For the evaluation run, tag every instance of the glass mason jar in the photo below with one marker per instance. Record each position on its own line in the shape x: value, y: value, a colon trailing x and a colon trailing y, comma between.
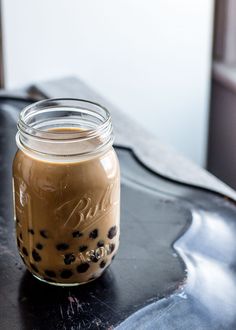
x: 66, y: 183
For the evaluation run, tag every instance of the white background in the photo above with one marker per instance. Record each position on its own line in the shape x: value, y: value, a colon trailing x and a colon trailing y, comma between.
x: 150, y: 58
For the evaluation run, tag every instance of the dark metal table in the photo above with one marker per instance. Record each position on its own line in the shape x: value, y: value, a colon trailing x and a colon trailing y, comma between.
x: 176, y: 267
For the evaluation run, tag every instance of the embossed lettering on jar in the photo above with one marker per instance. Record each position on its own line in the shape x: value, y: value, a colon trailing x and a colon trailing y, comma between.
x: 66, y: 186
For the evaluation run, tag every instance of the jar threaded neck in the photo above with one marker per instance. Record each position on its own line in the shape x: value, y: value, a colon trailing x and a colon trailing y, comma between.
x: 64, y: 127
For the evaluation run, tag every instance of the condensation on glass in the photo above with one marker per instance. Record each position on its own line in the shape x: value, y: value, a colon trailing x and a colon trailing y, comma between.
x: 66, y: 187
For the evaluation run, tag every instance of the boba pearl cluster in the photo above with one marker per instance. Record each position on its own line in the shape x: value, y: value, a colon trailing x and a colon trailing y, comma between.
x: 91, y: 248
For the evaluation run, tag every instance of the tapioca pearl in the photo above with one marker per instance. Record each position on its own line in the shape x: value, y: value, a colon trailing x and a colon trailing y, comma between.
x: 36, y: 256
x: 112, y: 232
x: 93, y: 234
x: 18, y: 242
x: 102, y: 264
x: 62, y: 246
x: 83, y: 248
x: 77, y: 234
x: 34, y: 267
x: 50, y: 273
x: 94, y: 257
x: 39, y: 246
x: 66, y: 273
x: 44, y: 233
x: 31, y: 231
x: 69, y: 258
x: 100, y: 243
x: 82, y: 268
x: 111, y: 248
x: 47, y: 279
x: 25, y: 252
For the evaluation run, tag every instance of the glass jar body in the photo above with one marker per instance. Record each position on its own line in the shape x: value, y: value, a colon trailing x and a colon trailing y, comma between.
x: 67, y: 214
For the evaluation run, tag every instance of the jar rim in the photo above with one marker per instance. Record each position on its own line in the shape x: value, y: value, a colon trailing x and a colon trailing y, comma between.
x: 56, y: 135
x: 45, y: 125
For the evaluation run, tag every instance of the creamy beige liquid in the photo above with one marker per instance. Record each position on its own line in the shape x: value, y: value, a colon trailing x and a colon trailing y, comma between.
x: 67, y: 215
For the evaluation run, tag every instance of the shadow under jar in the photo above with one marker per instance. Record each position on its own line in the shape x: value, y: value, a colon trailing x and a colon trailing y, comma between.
x: 66, y: 184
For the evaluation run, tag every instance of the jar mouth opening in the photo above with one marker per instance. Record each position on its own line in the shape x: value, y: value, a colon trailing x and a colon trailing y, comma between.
x: 75, y: 128
x: 65, y: 127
